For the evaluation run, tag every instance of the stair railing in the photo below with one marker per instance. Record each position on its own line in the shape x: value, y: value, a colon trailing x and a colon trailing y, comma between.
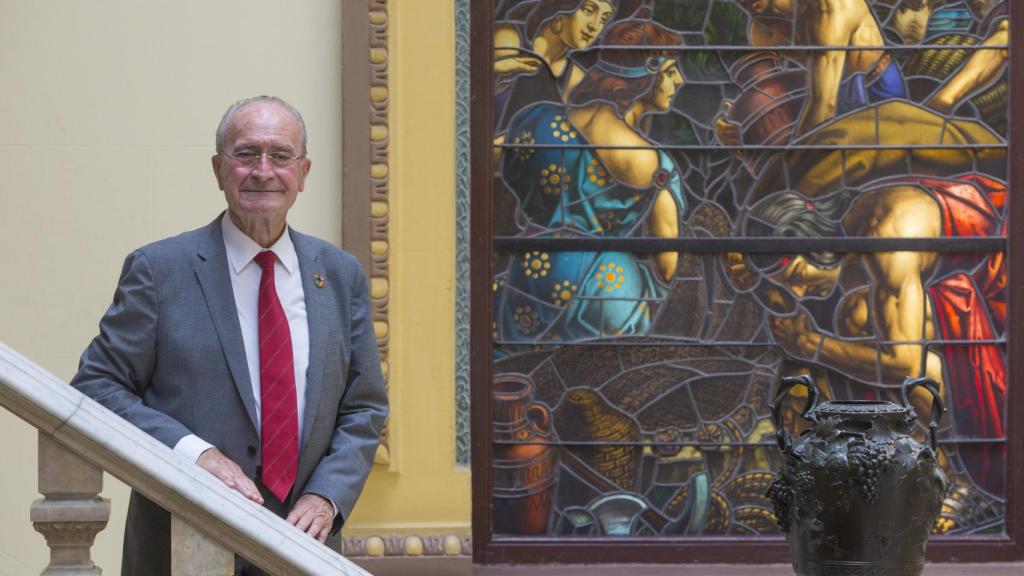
x: 211, y: 523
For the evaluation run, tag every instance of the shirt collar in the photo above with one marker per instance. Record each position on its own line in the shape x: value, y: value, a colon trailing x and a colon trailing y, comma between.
x: 241, y: 249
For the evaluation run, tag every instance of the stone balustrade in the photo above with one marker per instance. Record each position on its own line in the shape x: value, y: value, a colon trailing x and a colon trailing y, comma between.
x: 79, y: 439
x: 71, y: 512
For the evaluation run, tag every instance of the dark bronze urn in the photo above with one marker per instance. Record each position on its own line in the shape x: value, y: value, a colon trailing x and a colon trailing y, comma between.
x: 857, y: 494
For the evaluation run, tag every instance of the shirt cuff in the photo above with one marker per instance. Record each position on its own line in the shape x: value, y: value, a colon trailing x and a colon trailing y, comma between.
x: 329, y: 499
x: 191, y: 447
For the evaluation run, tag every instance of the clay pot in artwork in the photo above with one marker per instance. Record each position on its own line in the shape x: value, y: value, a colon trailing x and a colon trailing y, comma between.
x: 617, y: 514
x: 525, y: 462
x: 585, y: 416
x: 769, y: 104
x: 857, y: 494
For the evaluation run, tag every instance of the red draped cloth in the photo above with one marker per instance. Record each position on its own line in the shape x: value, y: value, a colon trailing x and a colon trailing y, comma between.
x: 969, y: 296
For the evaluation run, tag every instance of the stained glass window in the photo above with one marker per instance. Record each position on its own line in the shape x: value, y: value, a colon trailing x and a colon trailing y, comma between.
x: 693, y: 198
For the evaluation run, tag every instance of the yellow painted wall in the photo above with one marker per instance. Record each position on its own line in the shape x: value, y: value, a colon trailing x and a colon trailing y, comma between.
x: 423, y: 492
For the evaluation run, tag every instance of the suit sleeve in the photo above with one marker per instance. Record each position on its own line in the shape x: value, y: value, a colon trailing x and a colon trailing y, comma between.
x: 118, y: 364
x: 341, y: 473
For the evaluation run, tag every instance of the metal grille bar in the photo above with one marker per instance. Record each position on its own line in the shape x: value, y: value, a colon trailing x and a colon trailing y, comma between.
x: 765, y: 444
x: 756, y: 147
x: 751, y: 245
x: 669, y: 343
x: 791, y: 48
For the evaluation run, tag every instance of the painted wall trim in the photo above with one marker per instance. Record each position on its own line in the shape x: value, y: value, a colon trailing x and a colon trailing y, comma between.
x: 406, y: 545
x: 365, y: 137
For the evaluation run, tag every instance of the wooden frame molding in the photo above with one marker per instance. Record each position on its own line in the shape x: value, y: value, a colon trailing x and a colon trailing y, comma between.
x: 491, y: 549
x: 481, y: 367
x: 365, y: 139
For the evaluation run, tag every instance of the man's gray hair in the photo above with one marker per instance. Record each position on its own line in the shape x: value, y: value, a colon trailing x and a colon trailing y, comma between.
x: 222, y: 128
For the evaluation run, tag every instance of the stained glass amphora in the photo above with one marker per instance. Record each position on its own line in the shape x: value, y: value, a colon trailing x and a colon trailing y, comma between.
x: 525, y: 461
x: 857, y: 495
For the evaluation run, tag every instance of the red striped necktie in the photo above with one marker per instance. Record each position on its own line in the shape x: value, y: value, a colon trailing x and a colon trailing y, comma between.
x: 278, y: 408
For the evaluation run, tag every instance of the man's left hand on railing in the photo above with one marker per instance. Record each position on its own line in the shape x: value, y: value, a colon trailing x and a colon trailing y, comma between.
x: 314, y: 515
x: 224, y: 468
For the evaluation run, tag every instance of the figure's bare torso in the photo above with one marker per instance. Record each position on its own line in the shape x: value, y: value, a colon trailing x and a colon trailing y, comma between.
x: 852, y: 16
x: 865, y: 32
x: 883, y: 308
x: 854, y: 318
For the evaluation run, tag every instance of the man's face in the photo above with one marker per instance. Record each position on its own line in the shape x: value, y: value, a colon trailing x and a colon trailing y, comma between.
x: 910, y: 20
x: 981, y: 8
x: 262, y: 190
x: 804, y: 279
x: 668, y: 83
x: 585, y: 24
x: 768, y: 7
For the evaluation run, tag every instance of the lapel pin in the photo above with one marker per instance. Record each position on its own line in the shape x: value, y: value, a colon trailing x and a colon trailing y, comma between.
x: 318, y: 281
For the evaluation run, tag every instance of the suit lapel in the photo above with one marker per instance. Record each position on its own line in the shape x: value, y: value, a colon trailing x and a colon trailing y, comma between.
x: 317, y: 306
x: 212, y: 272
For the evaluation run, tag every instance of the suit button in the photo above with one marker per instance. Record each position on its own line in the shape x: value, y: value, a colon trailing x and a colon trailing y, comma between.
x: 251, y: 450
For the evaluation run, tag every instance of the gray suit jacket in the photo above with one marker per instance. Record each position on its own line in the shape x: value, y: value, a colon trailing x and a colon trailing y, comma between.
x: 169, y: 358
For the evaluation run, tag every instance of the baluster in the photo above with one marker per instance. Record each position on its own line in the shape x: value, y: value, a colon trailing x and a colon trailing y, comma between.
x: 193, y: 554
x: 71, y: 513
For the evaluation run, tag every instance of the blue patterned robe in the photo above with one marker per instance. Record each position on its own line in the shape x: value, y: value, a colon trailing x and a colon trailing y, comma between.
x: 567, y: 191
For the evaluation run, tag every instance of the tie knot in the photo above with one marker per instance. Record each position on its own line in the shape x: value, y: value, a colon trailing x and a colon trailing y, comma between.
x: 266, y: 259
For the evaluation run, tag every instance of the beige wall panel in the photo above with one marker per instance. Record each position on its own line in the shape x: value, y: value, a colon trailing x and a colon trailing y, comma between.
x: 106, y: 129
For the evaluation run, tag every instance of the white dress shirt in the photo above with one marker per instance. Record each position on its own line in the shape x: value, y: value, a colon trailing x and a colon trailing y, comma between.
x: 245, y: 283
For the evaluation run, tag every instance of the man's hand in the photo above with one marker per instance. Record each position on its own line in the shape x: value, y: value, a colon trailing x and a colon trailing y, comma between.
x: 739, y: 272
x: 216, y: 463
x: 314, y: 515
x: 729, y: 133
x: 527, y: 64
x: 797, y: 335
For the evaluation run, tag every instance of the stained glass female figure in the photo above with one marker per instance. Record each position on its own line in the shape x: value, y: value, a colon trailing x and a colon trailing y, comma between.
x: 596, y: 175
x: 534, y: 62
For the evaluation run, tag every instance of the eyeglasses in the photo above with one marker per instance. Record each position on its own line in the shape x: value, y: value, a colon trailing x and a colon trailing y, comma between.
x: 252, y: 158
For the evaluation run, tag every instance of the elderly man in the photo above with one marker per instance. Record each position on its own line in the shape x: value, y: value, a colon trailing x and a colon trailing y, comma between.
x: 246, y: 346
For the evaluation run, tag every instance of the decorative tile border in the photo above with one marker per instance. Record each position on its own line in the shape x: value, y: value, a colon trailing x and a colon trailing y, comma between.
x: 430, y: 545
x: 462, y: 287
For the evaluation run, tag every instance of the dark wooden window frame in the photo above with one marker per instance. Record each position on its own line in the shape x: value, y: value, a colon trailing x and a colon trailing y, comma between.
x: 491, y: 549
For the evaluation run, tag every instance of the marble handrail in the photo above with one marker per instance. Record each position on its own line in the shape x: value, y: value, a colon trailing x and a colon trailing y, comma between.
x: 190, y: 493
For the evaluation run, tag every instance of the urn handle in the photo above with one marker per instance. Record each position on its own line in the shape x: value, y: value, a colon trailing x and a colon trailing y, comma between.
x: 539, y: 418
x: 785, y: 385
x: 938, y: 409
